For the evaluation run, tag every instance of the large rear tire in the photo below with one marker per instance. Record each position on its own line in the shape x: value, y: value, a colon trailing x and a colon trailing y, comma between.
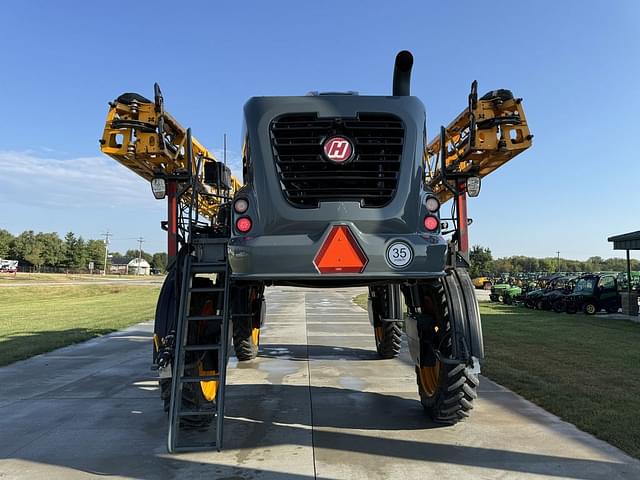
x: 247, y: 320
x: 246, y: 339
x: 388, y: 339
x: 198, y: 395
x: 193, y: 398
x: 446, y: 390
x: 388, y: 334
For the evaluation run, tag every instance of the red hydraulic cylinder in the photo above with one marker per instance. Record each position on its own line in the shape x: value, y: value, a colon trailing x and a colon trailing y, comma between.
x: 463, y: 227
x: 172, y: 219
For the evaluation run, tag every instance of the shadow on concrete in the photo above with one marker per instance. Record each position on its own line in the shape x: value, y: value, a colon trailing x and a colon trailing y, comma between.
x: 454, y: 455
x: 146, y: 458
x: 332, y: 408
x: 263, y: 416
x: 323, y: 352
x: 20, y: 346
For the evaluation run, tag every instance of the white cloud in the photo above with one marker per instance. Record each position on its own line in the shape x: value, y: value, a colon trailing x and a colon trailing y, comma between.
x: 234, y: 160
x: 27, y: 178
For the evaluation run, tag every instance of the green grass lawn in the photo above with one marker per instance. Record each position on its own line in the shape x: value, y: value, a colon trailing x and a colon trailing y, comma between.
x: 34, y: 320
x: 21, y: 277
x: 361, y: 300
x: 584, y: 369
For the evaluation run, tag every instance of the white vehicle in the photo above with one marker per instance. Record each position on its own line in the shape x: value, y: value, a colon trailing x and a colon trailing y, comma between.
x: 9, y: 266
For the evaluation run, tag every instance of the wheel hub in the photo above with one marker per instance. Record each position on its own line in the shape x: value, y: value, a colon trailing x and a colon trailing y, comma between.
x: 430, y: 378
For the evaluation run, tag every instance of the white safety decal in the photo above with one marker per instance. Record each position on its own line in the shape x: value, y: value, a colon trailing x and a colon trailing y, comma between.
x: 399, y: 254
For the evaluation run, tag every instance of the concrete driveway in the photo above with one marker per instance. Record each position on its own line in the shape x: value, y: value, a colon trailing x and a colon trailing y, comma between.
x: 316, y: 404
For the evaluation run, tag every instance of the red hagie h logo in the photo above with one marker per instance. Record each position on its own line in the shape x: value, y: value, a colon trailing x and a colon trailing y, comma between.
x: 338, y: 149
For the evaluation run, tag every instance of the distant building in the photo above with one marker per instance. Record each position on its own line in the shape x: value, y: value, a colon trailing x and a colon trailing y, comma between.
x: 138, y: 267
x: 119, y: 266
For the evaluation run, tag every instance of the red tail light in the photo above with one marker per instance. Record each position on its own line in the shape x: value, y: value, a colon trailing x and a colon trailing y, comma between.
x: 431, y: 223
x: 244, y: 224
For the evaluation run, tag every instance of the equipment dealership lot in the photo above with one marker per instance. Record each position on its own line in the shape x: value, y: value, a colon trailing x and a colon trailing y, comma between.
x: 317, y: 403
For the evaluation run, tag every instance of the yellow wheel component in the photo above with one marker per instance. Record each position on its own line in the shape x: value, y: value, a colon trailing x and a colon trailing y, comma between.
x: 430, y: 378
x: 255, y: 336
x: 209, y: 389
x: 379, y: 332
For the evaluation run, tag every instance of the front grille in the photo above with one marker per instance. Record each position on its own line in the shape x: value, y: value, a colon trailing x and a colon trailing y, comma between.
x: 307, y: 177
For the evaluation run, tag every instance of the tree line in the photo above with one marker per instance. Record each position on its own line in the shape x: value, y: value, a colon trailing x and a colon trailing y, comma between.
x: 483, y: 263
x: 47, y: 249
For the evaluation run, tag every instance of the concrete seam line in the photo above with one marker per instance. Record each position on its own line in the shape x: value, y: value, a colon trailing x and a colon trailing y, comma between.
x: 313, y: 446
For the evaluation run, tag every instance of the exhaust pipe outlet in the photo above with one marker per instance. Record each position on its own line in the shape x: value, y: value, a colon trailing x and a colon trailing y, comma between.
x: 402, y: 74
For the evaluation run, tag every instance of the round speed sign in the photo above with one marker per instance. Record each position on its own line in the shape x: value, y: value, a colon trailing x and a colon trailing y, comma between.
x: 399, y: 255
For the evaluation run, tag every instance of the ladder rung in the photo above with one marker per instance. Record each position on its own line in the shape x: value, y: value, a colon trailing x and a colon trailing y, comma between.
x: 195, y: 413
x: 202, y: 378
x: 234, y: 315
x: 205, y: 318
x: 196, y: 348
x: 206, y: 289
x: 197, y: 447
x: 214, y: 265
x: 208, y: 270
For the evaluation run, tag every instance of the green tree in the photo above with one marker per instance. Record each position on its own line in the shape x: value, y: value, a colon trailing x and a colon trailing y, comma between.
x: 35, y: 256
x: 159, y: 261
x: 503, y: 265
x: 547, y: 264
x: 69, y: 249
x: 82, y: 260
x: 75, y: 255
x: 22, y: 245
x: 52, y: 249
x: 481, y: 261
x: 94, y: 252
x: 5, y: 243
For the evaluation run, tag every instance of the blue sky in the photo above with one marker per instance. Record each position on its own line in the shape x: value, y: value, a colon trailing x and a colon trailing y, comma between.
x: 575, y: 63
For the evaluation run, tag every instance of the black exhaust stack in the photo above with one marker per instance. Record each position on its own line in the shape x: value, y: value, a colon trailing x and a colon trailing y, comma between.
x: 402, y: 74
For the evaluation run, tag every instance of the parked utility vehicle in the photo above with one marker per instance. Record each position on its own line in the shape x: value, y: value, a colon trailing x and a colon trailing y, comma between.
x: 594, y: 293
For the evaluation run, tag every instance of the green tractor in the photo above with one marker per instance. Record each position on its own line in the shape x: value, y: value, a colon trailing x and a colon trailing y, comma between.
x: 497, y: 292
x: 511, y: 294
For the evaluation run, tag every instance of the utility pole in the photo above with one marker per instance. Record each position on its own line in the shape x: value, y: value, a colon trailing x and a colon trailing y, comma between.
x: 224, y: 153
x: 106, y: 236
x: 140, y: 241
x: 558, y: 262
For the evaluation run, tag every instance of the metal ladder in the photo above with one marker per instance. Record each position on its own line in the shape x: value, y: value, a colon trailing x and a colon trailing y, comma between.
x: 176, y: 410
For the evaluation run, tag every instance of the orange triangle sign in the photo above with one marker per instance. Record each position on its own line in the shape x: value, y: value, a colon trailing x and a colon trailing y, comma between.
x: 340, y: 253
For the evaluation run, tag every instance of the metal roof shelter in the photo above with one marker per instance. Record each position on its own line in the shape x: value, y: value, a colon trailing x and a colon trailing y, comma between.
x: 627, y: 241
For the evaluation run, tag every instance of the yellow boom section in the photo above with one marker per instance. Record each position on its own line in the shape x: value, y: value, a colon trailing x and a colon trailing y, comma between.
x: 486, y: 135
x: 144, y: 138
